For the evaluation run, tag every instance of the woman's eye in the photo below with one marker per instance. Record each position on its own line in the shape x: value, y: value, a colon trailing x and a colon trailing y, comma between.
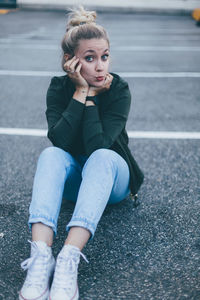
x: 105, y: 56
x: 89, y: 58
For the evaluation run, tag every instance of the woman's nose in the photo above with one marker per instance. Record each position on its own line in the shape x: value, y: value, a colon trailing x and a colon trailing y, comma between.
x: 99, y: 65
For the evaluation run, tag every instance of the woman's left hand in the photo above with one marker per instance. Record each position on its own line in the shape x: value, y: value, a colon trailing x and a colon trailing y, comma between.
x: 93, y: 91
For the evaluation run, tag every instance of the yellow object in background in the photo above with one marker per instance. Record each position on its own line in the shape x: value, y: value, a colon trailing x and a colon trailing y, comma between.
x: 196, y: 14
x: 4, y: 11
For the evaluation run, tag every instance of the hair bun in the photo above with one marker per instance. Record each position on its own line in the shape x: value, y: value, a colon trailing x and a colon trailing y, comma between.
x: 80, y: 16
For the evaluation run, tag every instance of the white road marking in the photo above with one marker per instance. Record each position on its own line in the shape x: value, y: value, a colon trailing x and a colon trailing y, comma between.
x: 159, y: 74
x: 23, y: 131
x: 113, y: 47
x: 164, y: 135
x: 122, y: 74
x: 156, y: 48
x: 132, y: 134
x: 30, y: 73
x: 31, y: 46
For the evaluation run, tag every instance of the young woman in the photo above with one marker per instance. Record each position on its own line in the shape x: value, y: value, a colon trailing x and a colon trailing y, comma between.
x: 89, y: 164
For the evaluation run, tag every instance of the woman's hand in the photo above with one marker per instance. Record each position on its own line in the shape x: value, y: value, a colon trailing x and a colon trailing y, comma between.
x: 73, y: 67
x: 93, y: 91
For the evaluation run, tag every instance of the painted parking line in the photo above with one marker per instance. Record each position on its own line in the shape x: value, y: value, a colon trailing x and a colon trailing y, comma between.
x: 6, y: 44
x: 132, y: 134
x: 30, y: 46
x: 122, y: 74
x: 23, y: 131
x: 164, y: 135
x: 157, y: 48
x: 159, y: 74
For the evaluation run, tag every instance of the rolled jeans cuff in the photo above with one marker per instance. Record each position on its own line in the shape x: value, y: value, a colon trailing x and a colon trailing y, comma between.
x: 44, y: 220
x: 82, y: 222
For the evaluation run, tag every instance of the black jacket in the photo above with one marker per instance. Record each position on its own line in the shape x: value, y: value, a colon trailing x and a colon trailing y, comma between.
x: 78, y: 129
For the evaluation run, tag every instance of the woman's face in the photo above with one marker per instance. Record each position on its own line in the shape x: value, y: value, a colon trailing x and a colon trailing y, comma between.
x: 94, y: 57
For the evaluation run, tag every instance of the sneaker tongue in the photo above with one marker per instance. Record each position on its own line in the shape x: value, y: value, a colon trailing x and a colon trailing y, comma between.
x: 70, y: 250
x: 70, y: 254
x: 71, y: 247
x: 73, y: 251
x: 42, y: 246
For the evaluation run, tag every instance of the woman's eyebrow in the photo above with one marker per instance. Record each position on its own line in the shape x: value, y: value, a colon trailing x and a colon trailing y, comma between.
x: 92, y: 51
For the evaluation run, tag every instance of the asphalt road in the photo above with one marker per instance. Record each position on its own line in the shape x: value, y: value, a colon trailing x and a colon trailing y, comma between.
x: 150, y: 252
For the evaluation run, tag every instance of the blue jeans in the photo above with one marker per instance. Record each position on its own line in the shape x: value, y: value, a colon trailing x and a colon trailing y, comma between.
x: 90, y: 182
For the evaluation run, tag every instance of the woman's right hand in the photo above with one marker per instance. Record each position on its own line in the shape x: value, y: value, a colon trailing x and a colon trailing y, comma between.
x: 73, y: 68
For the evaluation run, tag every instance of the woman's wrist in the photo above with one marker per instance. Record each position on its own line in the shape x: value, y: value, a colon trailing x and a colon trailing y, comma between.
x: 80, y: 94
x: 89, y: 103
x: 91, y: 93
x: 82, y: 89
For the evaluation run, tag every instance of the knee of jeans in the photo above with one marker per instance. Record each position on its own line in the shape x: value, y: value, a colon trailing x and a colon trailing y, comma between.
x: 54, y: 154
x: 50, y: 152
x: 104, y: 154
x: 101, y: 157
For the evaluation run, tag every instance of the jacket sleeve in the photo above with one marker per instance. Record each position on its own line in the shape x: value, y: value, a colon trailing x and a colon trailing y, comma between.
x: 63, y: 116
x: 101, y: 132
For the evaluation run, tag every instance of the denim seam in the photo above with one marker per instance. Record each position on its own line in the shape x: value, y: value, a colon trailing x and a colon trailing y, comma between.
x: 88, y: 224
x: 44, y: 219
x: 83, y: 219
x: 42, y: 216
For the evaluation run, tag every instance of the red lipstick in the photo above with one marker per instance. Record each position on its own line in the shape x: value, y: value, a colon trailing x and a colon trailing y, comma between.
x: 100, y: 78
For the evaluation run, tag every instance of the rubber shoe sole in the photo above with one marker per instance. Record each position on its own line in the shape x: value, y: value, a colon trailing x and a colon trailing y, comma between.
x: 43, y: 296
x: 75, y: 297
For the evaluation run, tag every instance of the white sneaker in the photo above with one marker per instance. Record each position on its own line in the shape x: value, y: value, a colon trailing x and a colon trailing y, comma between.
x: 65, y: 286
x: 40, y: 268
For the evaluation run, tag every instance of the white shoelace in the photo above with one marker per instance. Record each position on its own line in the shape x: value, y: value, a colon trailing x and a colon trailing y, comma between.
x: 67, y: 272
x: 36, y: 265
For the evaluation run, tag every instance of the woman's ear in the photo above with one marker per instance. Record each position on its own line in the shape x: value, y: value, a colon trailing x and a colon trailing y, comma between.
x: 67, y: 56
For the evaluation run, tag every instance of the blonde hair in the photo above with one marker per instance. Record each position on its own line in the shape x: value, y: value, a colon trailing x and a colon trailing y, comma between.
x: 81, y: 25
